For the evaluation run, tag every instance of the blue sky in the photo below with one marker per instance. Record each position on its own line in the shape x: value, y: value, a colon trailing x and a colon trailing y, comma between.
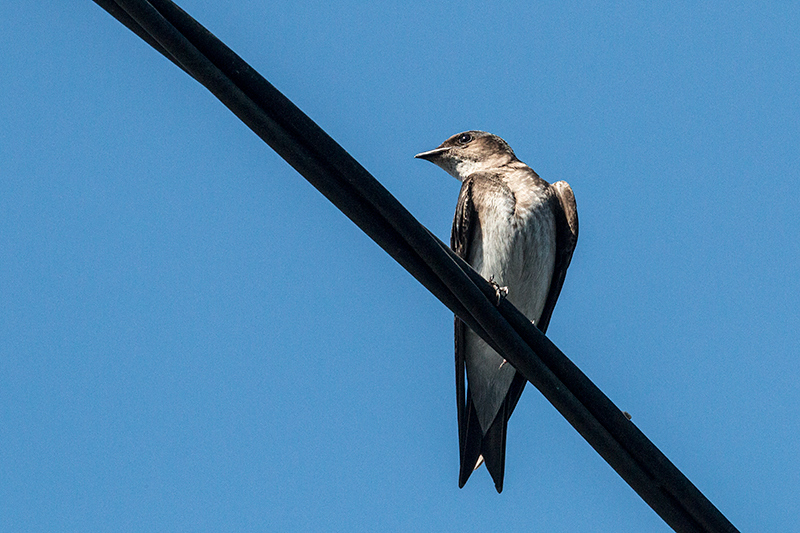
x: 194, y: 339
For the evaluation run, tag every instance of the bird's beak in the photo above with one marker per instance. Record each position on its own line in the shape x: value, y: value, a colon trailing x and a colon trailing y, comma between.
x: 431, y: 155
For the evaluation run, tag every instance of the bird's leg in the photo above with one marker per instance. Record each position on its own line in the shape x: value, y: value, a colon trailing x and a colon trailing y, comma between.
x: 500, y: 292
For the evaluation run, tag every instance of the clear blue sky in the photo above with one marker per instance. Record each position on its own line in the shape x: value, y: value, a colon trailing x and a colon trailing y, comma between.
x: 192, y: 338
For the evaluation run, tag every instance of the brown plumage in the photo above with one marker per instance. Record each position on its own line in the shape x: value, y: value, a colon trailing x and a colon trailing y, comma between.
x: 517, y: 229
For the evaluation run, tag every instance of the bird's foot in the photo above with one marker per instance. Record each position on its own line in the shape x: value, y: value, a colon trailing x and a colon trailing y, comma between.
x: 501, y: 364
x: 500, y: 292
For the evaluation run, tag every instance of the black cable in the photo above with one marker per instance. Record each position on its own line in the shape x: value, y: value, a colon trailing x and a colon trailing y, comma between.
x: 351, y: 188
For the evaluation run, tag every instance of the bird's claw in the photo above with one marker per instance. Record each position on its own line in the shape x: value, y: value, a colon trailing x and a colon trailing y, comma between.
x: 500, y: 292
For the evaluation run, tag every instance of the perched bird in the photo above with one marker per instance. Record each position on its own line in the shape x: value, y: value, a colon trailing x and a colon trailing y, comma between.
x: 518, y: 231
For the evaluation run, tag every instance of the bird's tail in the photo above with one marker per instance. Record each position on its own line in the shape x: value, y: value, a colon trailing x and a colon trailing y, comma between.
x: 491, y: 446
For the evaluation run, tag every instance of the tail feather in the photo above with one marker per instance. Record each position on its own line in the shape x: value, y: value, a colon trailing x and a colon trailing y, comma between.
x: 492, y: 445
x: 470, y: 443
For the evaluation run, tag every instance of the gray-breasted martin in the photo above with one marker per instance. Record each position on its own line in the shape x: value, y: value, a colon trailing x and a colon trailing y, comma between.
x: 519, y: 231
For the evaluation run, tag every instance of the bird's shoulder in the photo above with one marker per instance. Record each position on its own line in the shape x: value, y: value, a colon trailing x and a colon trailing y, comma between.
x: 516, y: 186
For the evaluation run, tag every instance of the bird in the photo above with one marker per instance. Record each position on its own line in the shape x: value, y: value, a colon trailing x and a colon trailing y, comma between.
x: 519, y: 232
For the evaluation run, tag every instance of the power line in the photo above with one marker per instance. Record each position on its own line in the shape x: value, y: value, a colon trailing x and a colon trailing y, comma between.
x: 329, y: 168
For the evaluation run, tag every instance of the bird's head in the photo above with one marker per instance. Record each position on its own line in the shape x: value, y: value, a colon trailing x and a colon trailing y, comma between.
x: 468, y: 152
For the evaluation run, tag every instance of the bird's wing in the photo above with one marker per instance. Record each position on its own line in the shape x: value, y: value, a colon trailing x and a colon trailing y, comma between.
x: 566, y: 213
x: 473, y: 442
x: 469, y: 431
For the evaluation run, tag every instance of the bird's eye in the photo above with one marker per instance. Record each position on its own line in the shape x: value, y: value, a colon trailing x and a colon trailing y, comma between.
x: 464, y: 138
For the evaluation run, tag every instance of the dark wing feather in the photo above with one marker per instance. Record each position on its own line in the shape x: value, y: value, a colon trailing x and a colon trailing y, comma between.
x: 566, y: 213
x: 469, y: 431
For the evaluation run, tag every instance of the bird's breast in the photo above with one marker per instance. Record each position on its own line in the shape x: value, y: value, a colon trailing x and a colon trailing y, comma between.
x: 517, y: 245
